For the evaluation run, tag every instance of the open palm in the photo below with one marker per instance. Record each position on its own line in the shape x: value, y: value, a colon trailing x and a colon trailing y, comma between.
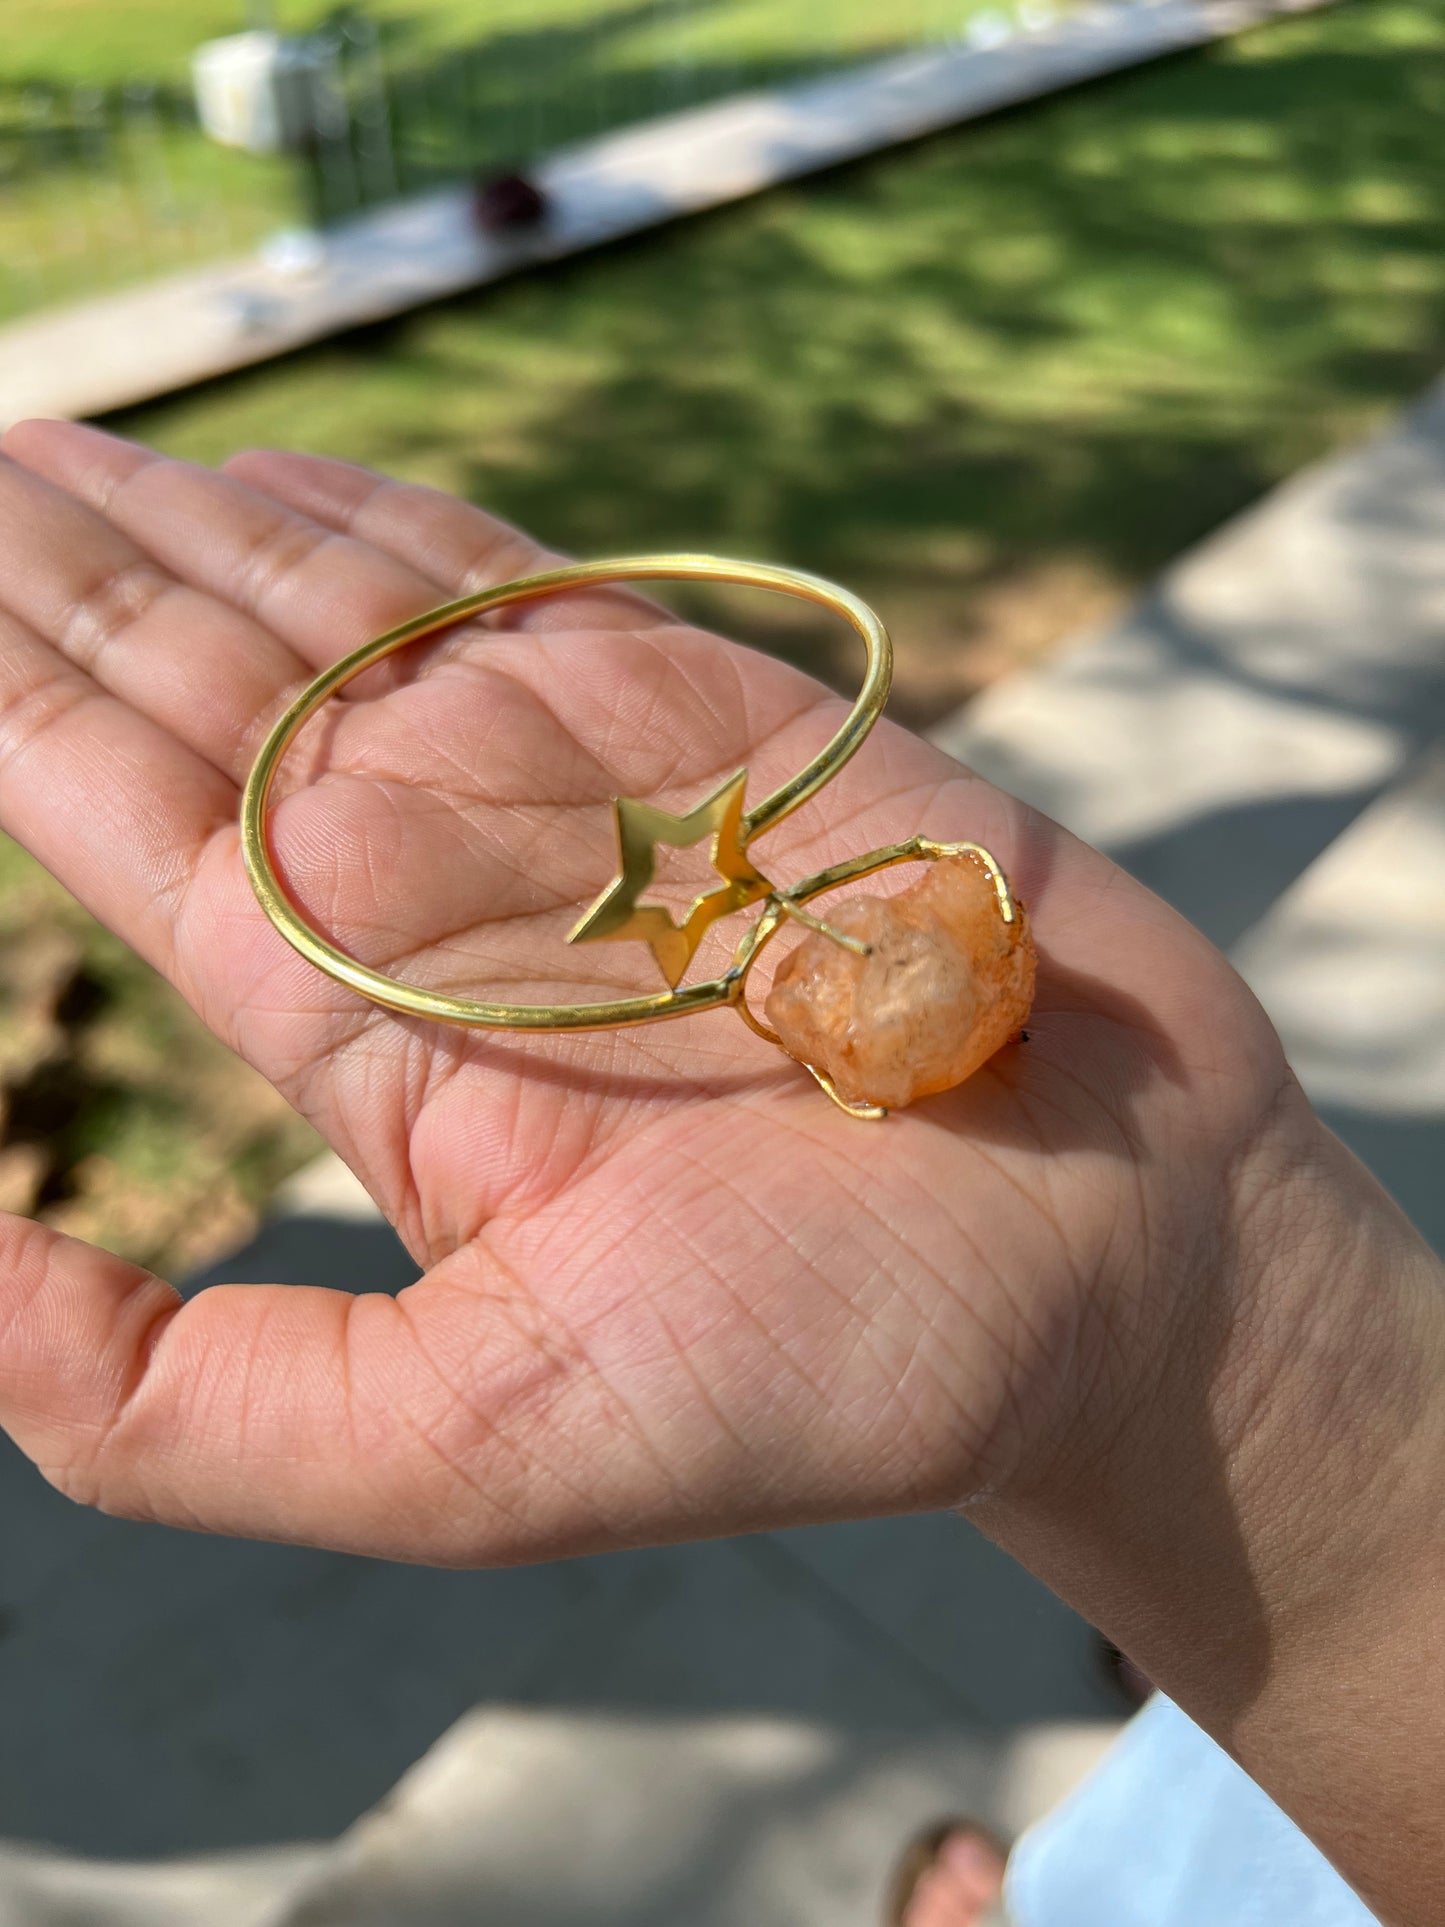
x: 670, y: 1289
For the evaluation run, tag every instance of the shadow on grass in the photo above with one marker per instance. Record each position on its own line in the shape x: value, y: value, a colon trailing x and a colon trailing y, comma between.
x: 1043, y: 354
x: 515, y: 93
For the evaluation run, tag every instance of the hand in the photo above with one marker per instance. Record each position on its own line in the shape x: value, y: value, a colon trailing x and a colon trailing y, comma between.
x: 670, y: 1290
x: 1120, y: 1292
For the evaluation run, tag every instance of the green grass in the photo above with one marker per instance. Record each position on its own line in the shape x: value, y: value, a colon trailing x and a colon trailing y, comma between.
x: 121, y: 197
x: 994, y: 383
x: 98, y: 41
x: 1070, y: 339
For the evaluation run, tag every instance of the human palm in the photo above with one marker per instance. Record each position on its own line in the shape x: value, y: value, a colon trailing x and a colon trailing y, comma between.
x: 670, y: 1289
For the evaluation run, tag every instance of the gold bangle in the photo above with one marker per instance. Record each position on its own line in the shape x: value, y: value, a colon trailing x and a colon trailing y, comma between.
x: 618, y: 915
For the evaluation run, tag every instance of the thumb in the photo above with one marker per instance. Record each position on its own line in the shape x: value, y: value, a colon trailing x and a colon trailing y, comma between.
x: 78, y: 1329
x: 402, y: 1427
x: 127, y: 1398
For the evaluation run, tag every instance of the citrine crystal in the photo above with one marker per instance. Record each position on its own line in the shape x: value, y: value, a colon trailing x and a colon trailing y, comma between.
x: 946, y: 983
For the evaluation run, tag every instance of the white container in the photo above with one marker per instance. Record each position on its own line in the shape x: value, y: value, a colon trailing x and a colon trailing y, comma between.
x: 260, y: 91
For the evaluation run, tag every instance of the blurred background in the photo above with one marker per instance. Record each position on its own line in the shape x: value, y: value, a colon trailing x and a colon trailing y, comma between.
x: 1000, y: 380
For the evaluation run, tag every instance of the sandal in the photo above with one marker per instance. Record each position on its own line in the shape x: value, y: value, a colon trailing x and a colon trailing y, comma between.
x: 921, y: 1856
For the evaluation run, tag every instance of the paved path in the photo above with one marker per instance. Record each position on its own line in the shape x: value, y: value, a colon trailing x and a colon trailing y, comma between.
x: 1278, y: 679
x: 580, y: 1820
x: 729, y: 1735
x: 737, y: 1735
x: 1259, y: 740
x: 1351, y: 966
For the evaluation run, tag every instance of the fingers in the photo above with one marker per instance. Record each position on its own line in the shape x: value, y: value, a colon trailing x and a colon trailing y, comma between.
x: 157, y: 554
x: 275, y: 1412
x: 655, y: 702
x: 199, y: 669
x: 108, y: 800
x: 319, y: 592
x: 458, y: 547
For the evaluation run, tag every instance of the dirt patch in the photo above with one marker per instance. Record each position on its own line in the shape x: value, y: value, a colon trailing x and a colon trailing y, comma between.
x: 124, y: 1121
x: 950, y: 639
x: 947, y: 653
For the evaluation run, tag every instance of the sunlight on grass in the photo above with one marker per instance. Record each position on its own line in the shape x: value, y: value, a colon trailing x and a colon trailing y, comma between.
x: 1092, y: 327
x: 119, y: 40
x: 97, y: 193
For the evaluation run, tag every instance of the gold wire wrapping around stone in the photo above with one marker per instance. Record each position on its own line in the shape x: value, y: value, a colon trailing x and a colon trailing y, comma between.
x: 852, y: 870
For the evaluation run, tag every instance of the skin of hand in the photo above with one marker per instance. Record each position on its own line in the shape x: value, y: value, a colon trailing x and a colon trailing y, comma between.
x: 1120, y: 1295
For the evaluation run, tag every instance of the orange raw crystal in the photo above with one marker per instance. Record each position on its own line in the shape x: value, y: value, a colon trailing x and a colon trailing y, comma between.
x: 946, y: 984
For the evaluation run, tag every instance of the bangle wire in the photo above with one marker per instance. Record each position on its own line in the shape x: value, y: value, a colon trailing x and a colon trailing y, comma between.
x: 779, y: 904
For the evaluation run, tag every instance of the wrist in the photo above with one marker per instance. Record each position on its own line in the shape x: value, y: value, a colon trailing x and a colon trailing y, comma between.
x: 1265, y: 1532
x: 1337, y: 1419
x: 1331, y: 1406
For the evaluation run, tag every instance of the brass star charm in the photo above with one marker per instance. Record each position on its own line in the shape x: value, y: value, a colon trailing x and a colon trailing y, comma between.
x: 618, y: 917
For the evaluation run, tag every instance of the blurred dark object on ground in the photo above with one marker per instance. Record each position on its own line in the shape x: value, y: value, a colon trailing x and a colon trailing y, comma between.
x: 502, y: 203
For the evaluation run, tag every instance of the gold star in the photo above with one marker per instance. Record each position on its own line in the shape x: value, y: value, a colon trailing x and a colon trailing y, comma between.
x: 618, y: 917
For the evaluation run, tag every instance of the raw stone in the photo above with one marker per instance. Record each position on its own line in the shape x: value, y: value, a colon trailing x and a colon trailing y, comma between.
x: 946, y: 984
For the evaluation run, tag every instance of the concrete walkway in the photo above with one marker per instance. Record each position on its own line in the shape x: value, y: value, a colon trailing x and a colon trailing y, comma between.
x: 1351, y: 965
x: 1259, y: 740
x: 740, y: 1734
x: 1278, y: 679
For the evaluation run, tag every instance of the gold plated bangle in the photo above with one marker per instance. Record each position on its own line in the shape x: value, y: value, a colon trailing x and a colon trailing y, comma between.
x: 620, y: 914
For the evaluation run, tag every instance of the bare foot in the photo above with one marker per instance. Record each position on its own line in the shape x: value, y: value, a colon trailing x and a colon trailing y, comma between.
x: 961, y: 1884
